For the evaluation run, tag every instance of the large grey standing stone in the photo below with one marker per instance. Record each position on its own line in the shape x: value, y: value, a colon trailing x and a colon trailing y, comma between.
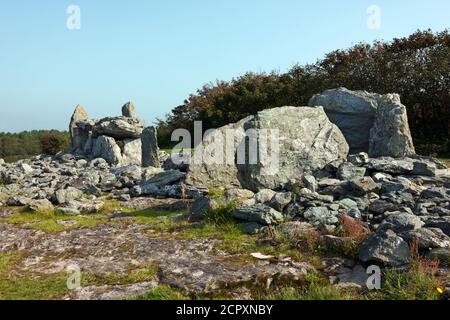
x: 352, y: 111
x: 119, y: 128
x: 390, y: 135
x: 107, y: 148
x: 211, y: 175
x: 129, y: 110
x: 307, y: 141
x: 150, y: 150
x: 385, y: 247
x: 78, y: 136
x: 132, y: 152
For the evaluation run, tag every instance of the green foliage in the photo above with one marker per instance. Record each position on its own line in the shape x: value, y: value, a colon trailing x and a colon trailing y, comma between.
x: 413, y: 285
x: 221, y: 215
x: 16, y: 146
x: 417, y: 67
x: 19, y: 287
x: 164, y: 293
x: 54, y: 142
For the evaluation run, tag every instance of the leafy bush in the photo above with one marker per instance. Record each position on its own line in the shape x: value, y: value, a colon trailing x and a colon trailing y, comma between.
x: 54, y: 142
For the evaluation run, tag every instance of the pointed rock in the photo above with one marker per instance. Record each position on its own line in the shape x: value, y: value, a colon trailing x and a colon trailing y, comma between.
x: 77, y: 136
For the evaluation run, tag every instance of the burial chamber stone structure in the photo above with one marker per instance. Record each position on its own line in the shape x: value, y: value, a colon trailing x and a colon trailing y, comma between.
x: 121, y: 141
x: 372, y: 123
x: 337, y: 123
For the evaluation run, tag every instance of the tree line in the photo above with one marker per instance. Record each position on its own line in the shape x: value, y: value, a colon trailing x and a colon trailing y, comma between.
x: 16, y: 146
x: 416, y: 67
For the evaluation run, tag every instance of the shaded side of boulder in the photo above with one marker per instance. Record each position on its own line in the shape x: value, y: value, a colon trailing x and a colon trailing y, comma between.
x: 352, y: 111
x: 208, y: 174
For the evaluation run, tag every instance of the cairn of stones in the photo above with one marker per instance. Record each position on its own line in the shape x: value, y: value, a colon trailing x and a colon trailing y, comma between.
x: 121, y: 141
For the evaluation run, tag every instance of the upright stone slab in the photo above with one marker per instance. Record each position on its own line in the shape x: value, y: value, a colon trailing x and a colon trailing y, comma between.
x: 78, y: 136
x: 149, y: 140
x: 132, y: 152
x: 107, y: 148
x: 390, y: 135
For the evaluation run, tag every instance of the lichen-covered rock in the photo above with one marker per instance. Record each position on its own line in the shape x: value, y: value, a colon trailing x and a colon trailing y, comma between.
x: 207, y: 174
x: 132, y: 152
x: 107, y: 148
x: 390, y: 135
x: 307, y: 141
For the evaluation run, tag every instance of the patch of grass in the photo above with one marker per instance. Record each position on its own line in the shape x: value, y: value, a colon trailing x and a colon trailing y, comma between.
x: 222, y: 214
x: 130, y: 276
x: 48, y: 221
x: 216, y: 192
x: 315, y: 288
x: 163, y: 293
x: 17, y: 287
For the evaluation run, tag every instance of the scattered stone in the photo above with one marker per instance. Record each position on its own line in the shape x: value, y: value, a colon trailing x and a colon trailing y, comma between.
x: 401, y: 222
x: 264, y: 196
x: 321, y: 216
x: 280, y: 200
x: 427, y: 238
x: 348, y: 171
x: 359, y: 159
x: 259, y: 213
x: 201, y: 206
x: 385, y: 247
x: 41, y: 206
x: 18, y: 201
x: 64, y: 195
x: 363, y: 186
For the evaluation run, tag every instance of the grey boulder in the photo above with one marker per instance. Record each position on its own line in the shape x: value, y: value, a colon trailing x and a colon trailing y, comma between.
x: 385, y: 247
x: 258, y: 213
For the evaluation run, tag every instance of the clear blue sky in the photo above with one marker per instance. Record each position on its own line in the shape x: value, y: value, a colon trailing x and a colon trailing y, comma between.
x: 156, y: 53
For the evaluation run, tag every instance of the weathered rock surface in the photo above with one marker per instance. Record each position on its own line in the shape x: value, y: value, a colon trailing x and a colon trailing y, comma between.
x: 308, y: 141
x: 107, y: 148
x: 192, y: 265
x: 385, y: 247
x: 210, y: 174
x: 390, y: 135
x: 120, y: 128
x: 259, y: 213
x: 150, y: 155
x: 78, y: 136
